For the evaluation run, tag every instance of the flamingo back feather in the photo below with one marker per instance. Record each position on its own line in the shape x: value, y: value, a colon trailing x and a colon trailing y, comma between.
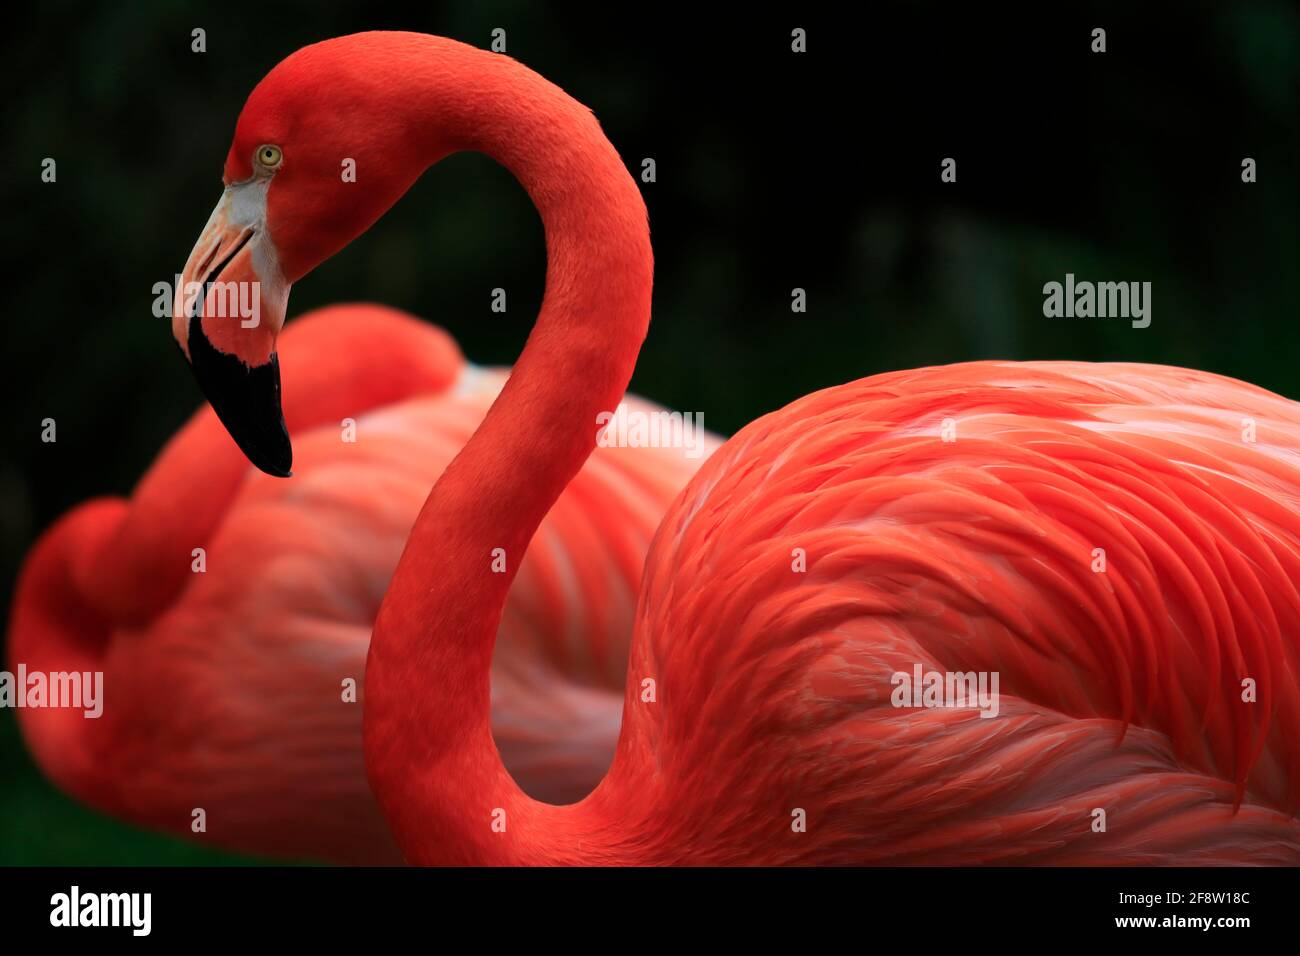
x: 1121, y: 689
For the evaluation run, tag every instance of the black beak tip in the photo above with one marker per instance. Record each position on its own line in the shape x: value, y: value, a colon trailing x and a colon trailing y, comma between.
x: 246, y: 400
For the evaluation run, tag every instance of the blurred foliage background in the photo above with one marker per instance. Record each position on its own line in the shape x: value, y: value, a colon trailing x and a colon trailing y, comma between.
x: 773, y: 171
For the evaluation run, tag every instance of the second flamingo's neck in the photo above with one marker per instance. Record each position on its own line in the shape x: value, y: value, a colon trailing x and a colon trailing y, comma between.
x: 429, y: 749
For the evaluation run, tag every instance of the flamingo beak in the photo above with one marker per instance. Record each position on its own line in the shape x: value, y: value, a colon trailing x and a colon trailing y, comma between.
x: 228, y: 311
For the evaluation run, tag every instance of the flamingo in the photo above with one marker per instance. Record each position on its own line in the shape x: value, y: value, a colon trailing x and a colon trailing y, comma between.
x: 1118, y: 543
x: 226, y: 690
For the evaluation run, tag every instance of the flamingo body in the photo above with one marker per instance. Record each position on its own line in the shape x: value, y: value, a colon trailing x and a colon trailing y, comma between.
x: 1121, y: 689
x: 224, y: 689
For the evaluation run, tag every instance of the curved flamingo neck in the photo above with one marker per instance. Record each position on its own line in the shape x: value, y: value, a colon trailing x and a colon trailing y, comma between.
x: 432, y: 762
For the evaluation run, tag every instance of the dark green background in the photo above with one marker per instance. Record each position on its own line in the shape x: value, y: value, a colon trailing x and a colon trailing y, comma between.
x: 774, y: 171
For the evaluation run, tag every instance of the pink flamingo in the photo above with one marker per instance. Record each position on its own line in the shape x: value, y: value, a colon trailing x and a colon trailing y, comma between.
x: 225, y: 690
x: 1119, y: 543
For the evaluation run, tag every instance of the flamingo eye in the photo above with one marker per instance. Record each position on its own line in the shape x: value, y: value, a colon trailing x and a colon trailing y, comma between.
x: 268, y: 156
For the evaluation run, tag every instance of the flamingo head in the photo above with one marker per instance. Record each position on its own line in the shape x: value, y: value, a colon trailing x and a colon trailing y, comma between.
x: 319, y: 154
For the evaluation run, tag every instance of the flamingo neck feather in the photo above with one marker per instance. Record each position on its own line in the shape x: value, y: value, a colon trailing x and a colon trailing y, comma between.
x: 430, y: 755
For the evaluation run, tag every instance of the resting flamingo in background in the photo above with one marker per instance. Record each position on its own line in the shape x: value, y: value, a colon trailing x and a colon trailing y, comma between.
x: 224, y: 690
x: 824, y: 549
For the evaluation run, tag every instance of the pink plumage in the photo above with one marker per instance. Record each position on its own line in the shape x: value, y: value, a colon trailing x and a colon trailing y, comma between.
x: 1121, y: 689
